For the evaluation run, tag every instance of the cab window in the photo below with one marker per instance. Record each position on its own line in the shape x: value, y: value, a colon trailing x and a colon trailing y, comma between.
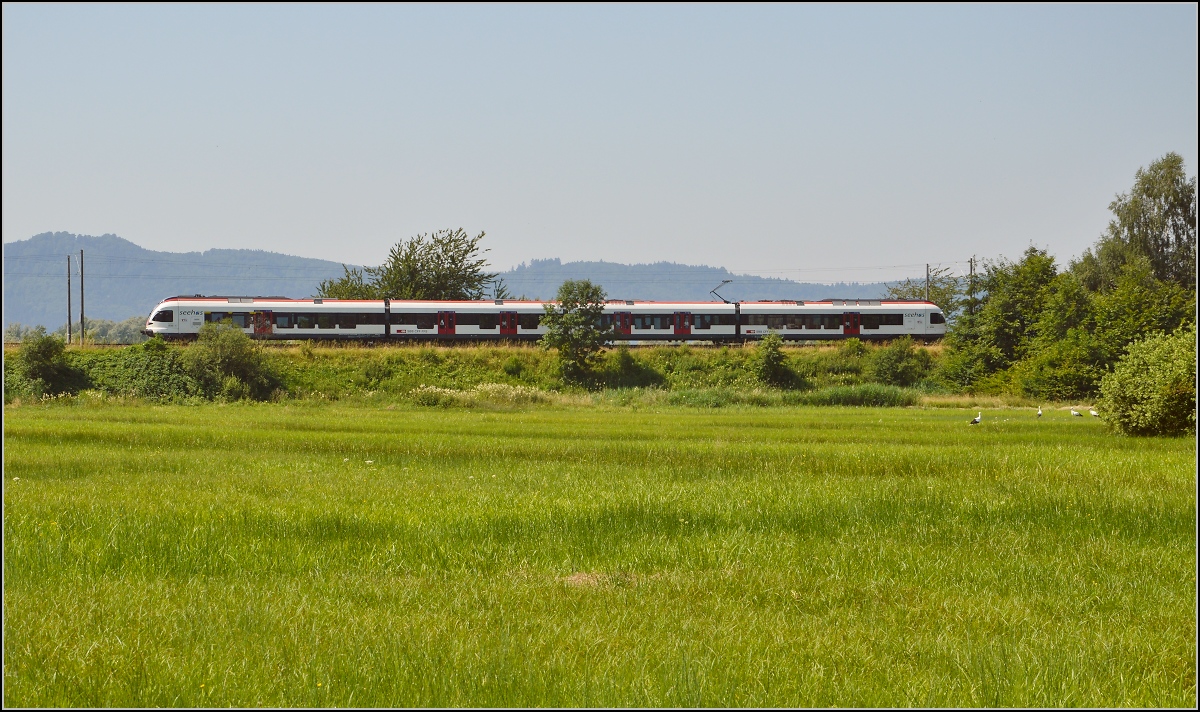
x: 167, y: 315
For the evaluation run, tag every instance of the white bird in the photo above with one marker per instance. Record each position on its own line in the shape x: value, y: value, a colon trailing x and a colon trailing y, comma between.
x: 976, y: 419
x: 1075, y: 412
x: 1039, y: 411
x: 1094, y: 413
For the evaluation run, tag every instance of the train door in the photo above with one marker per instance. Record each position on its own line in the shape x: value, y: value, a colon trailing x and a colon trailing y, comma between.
x: 851, y: 322
x: 683, y: 323
x: 623, y: 323
x: 446, y: 322
x: 508, y: 323
x: 261, y: 322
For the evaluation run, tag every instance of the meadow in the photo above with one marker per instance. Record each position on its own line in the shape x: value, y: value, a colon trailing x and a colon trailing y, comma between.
x: 363, y: 553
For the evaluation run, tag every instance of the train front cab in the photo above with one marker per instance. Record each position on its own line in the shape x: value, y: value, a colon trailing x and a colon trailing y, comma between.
x: 161, y: 322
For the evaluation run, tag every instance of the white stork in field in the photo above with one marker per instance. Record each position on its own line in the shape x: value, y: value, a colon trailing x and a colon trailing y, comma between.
x: 976, y: 419
x: 1076, y: 413
x: 1039, y: 411
x: 1094, y: 413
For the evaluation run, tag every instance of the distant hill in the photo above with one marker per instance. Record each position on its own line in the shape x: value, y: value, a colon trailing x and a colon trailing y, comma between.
x: 669, y: 281
x: 125, y: 280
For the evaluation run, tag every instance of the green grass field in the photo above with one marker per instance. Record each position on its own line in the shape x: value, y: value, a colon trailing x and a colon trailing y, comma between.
x: 350, y: 554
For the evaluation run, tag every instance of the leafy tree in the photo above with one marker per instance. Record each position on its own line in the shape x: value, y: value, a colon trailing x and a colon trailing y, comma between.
x: 769, y: 362
x: 1067, y: 305
x: 352, y: 285
x: 1069, y: 368
x: 1138, y: 304
x: 16, y: 332
x: 1063, y: 359
x: 1155, y: 220
x: 1152, y: 389
x: 1015, y: 293
x: 574, y: 327
x: 446, y: 264
x: 945, y: 290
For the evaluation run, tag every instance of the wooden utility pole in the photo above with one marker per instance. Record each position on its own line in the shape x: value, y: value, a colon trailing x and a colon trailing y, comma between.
x: 82, y: 323
x: 926, y: 281
x: 69, y: 335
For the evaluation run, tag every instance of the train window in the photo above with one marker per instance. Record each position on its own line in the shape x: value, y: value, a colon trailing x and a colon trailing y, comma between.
x: 351, y: 321
x: 725, y: 320
x: 240, y: 319
x: 215, y: 317
x: 754, y: 319
x: 831, y: 321
x: 284, y: 321
x: 702, y: 321
x: 529, y: 321
x: 487, y: 321
x: 936, y: 318
x: 167, y: 315
x: 326, y: 321
x: 417, y: 321
x: 654, y: 321
x: 306, y: 321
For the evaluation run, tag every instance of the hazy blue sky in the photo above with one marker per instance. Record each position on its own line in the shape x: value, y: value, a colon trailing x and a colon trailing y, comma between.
x: 815, y: 143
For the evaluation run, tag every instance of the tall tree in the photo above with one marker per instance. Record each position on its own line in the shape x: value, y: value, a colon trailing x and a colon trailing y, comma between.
x: 447, y: 264
x: 944, y: 288
x: 574, y: 327
x: 1156, y: 220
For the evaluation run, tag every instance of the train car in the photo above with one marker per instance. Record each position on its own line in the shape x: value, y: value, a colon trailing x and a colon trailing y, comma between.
x: 508, y: 319
x: 843, y: 318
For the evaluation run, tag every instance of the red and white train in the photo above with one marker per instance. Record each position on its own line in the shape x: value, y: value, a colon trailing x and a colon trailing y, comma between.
x: 509, y: 319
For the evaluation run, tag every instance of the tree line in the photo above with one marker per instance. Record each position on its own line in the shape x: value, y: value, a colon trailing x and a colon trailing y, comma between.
x: 1034, y: 328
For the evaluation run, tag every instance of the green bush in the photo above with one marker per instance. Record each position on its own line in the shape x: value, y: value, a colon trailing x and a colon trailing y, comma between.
x: 1068, y: 369
x: 1152, y: 389
x: 900, y: 363
x: 227, y: 363
x: 513, y: 366
x: 151, y: 370
x: 41, y: 367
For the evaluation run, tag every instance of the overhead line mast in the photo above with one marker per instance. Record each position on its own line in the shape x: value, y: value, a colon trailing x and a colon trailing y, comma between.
x: 69, y: 315
x: 82, y: 325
